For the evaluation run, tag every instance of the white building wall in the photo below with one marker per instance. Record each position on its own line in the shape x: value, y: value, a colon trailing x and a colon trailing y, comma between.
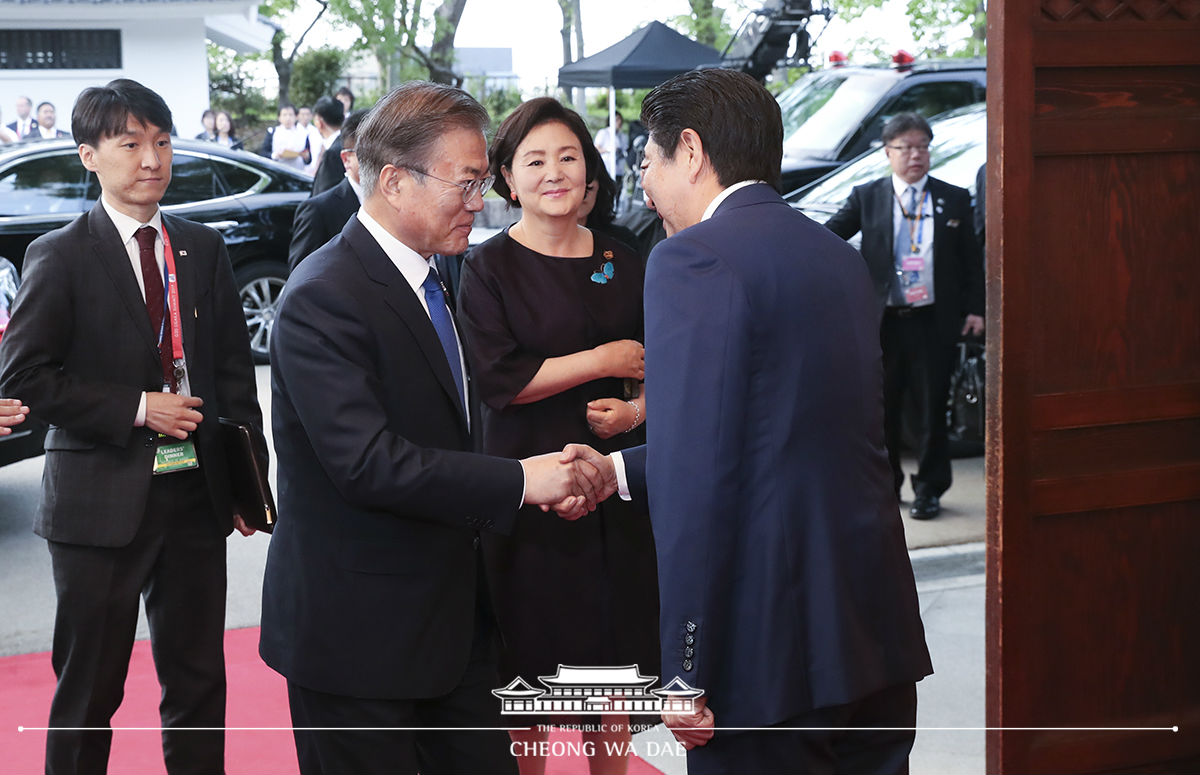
x: 167, y: 55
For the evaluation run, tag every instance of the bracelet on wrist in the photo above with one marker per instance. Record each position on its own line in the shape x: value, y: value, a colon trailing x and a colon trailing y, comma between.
x: 637, y: 415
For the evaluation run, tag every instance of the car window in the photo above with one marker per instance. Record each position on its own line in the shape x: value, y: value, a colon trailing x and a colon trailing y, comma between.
x: 819, y: 112
x: 192, y: 180
x: 238, y: 179
x: 934, y: 97
x: 47, y: 184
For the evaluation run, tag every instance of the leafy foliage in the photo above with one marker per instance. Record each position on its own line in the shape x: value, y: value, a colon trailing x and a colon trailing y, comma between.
x: 936, y: 25
x: 231, y: 90
x: 315, y: 74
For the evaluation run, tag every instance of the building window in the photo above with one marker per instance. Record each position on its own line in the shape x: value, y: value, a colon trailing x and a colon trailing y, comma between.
x: 60, y: 49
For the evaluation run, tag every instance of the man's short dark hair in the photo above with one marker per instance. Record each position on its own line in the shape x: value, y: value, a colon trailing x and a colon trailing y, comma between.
x: 528, y: 116
x: 346, y: 90
x: 104, y: 111
x: 737, y: 119
x: 44, y: 102
x: 403, y: 128
x: 905, y: 122
x: 331, y: 111
x: 350, y: 128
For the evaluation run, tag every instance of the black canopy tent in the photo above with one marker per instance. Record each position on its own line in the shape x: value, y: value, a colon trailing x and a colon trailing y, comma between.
x: 647, y: 57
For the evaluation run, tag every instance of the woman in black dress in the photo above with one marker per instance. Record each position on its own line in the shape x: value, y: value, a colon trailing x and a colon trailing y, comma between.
x: 552, y: 314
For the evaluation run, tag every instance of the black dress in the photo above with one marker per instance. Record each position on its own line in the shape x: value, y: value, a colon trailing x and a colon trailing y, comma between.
x: 580, y: 593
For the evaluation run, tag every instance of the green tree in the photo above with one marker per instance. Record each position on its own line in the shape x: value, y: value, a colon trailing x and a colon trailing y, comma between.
x: 230, y: 89
x: 936, y: 25
x: 711, y: 24
x: 388, y: 29
x: 315, y: 73
x: 284, y: 62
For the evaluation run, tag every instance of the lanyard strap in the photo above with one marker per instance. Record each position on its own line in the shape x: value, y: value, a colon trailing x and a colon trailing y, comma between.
x: 917, y: 229
x: 172, y: 286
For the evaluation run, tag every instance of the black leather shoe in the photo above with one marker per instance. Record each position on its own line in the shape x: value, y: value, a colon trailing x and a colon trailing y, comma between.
x: 925, y: 507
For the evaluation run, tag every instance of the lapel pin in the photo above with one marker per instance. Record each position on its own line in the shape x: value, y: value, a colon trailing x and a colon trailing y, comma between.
x: 182, y: 253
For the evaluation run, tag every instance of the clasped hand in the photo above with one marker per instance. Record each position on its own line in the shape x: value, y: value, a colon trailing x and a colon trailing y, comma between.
x: 692, y: 729
x: 571, y: 482
x: 173, y: 415
x: 12, y: 412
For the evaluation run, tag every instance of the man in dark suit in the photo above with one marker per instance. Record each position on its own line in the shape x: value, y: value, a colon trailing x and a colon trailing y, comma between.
x: 320, y: 218
x: 44, y: 128
x: 785, y: 587
x: 132, y: 373
x: 374, y: 602
x: 328, y: 118
x: 925, y: 263
x: 25, y: 123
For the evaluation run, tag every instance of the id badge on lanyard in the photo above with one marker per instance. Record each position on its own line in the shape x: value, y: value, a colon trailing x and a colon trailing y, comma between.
x: 172, y: 454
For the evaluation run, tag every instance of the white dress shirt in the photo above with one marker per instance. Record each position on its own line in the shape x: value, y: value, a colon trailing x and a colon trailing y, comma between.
x: 127, y: 227
x: 924, y: 229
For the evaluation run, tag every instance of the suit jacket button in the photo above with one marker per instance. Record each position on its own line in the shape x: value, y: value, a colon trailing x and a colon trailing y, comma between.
x: 689, y: 639
x: 687, y: 665
x: 689, y: 651
x: 691, y: 626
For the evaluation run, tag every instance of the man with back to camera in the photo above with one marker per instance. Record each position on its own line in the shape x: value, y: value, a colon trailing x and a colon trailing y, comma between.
x: 321, y: 217
x: 375, y: 605
x: 785, y: 587
x: 926, y: 265
x: 132, y: 373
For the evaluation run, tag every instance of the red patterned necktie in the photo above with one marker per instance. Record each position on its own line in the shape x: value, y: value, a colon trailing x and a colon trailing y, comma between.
x: 153, y: 282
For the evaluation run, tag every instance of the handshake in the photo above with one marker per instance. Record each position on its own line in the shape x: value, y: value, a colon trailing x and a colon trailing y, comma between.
x: 571, y: 482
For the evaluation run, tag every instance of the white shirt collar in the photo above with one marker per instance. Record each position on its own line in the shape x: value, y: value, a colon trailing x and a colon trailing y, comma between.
x: 411, y: 264
x: 358, y: 192
x: 899, y: 185
x: 721, y: 197
x: 126, y: 226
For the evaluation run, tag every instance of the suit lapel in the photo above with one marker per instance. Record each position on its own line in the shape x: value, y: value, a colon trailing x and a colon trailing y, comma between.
x: 885, y: 197
x: 399, y: 296
x: 112, y: 255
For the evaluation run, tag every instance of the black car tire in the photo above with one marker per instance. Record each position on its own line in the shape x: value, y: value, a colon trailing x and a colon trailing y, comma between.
x: 259, y: 285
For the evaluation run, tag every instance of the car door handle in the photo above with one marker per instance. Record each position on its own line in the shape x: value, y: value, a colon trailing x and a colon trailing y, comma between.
x: 219, y: 225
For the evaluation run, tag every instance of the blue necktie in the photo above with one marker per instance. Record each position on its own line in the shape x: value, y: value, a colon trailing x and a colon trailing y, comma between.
x: 436, y: 301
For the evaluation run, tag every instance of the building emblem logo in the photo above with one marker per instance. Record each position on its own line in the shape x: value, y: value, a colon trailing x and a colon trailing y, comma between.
x: 598, y: 690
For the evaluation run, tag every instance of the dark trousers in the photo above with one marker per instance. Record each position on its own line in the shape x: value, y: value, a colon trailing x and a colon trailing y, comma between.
x: 177, y: 563
x: 917, y: 362
x: 434, y: 736
x: 822, y: 751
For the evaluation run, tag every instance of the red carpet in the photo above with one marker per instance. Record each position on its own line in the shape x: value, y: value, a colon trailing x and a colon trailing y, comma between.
x: 257, y: 698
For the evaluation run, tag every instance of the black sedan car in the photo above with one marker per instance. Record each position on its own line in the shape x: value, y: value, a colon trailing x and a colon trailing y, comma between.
x: 248, y: 199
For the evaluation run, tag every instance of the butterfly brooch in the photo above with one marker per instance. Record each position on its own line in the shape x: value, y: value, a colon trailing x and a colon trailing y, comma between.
x: 606, y: 271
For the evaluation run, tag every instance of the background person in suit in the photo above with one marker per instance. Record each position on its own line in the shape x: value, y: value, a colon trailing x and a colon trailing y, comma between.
x: 785, y: 587
x: 328, y: 118
x: 924, y: 259
x: 320, y: 218
x: 25, y: 123
x: 375, y: 607
x: 91, y: 341
x: 45, y: 129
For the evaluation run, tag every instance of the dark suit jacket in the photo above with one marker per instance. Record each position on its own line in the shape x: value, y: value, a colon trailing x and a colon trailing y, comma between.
x: 370, y: 582
x: 80, y: 351
x: 32, y: 126
x: 785, y: 581
x: 34, y: 136
x: 957, y: 262
x: 331, y: 170
x: 319, y: 219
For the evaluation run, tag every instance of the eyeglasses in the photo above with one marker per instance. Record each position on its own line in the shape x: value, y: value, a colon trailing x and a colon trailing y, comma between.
x: 478, y: 186
x: 907, y: 149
